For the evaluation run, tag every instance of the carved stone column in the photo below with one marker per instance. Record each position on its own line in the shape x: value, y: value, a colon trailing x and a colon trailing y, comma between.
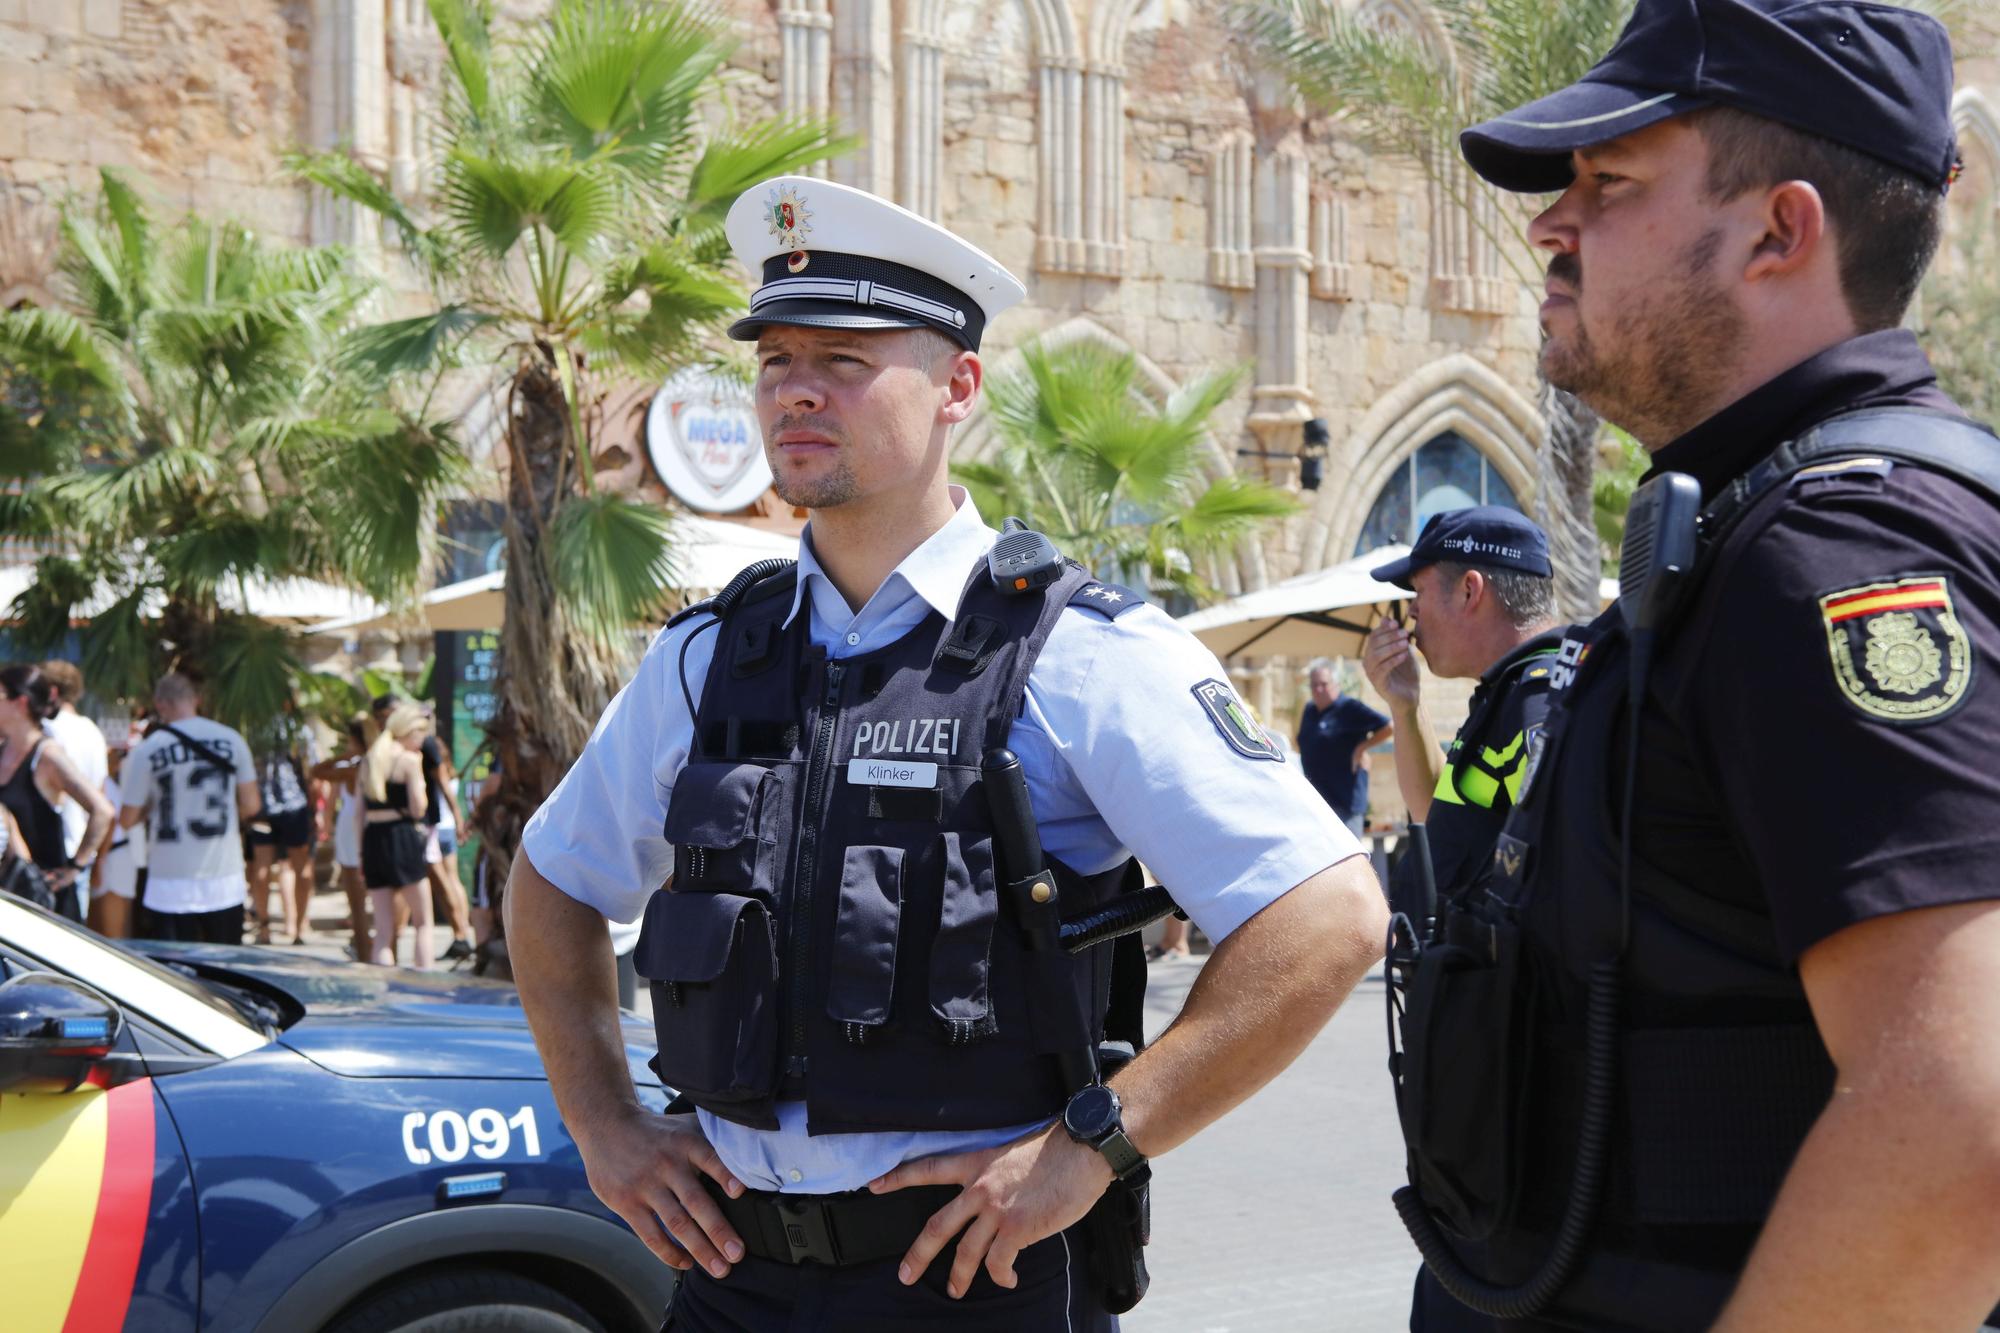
x: 1282, y: 397
x: 864, y: 93
x: 349, y: 106
x: 806, y: 29
x: 1059, y: 247
x: 920, y: 138
x: 1232, y: 170
x: 1104, y: 170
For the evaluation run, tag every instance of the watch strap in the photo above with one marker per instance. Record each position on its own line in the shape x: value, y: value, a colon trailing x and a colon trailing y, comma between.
x: 1119, y: 1153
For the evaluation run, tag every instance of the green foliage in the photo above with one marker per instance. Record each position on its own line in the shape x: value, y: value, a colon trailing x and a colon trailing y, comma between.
x: 1611, y: 495
x: 1960, y: 325
x: 1115, y: 480
x: 582, y: 177
x: 195, y: 430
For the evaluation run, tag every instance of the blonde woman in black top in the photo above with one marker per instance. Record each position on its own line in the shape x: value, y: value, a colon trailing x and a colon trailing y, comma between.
x: 392, y: 836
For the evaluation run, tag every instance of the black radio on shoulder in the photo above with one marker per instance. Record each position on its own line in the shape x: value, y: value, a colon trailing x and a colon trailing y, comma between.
x: 1022, y: 560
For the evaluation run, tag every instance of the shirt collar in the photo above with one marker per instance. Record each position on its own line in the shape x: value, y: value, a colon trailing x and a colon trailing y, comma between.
x: 1885, y: 369
x: 936, y: 571
x: 1547, y: 641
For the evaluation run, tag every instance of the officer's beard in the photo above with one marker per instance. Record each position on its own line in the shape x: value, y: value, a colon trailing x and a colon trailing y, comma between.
x: 1670, y: 350
x: 830, y: 487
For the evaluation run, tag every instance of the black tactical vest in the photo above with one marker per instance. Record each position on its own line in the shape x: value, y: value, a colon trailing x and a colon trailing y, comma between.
x: 1719, y: 1068
x: 833, y: 931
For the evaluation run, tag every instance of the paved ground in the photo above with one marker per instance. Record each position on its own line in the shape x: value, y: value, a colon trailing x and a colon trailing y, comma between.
x: 1277, y: 1217
x: 1274, y: 1220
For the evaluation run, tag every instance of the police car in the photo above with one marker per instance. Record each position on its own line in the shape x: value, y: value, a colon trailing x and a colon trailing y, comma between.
x: 198, y: 1137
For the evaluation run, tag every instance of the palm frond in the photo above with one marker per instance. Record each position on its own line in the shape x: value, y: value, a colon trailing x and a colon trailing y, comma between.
x: 615, y: 77
x: 119, y: 646
x: 346, y: 178
x: 412, y: 346
x: 741, y: 156
x: 612, y: 559
x: 466, y: 28
x: 252, y: 665
x: 42, y: 612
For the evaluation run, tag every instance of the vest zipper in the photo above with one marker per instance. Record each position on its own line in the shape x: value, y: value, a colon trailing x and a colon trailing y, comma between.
x: 807, y: 868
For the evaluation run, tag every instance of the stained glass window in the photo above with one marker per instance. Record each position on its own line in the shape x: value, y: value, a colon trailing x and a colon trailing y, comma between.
x: 1447, y: 472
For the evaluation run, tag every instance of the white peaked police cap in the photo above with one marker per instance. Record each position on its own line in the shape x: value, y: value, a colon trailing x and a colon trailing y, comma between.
x: 823, y: 256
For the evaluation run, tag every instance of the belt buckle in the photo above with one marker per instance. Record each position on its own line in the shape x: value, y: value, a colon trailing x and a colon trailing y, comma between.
x: 808, y: 1231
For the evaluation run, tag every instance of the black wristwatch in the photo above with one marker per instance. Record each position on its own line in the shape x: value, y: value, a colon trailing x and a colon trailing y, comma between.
x: 1096, y: 1117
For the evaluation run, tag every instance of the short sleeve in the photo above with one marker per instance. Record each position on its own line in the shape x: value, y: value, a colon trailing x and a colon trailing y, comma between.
x: 600, y: 835
x: 1142, y: 715
x: 246, y: 763
x: 1367, y: 720
x: 1847, y: 704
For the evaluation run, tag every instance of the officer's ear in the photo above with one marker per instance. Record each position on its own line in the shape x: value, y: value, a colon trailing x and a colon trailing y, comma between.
x: 1472, y: 585
x: 1793, y: 221
x: 963, y: 376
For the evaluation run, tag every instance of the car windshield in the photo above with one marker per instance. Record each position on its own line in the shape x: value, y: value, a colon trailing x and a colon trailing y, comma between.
x: 184, y: 1003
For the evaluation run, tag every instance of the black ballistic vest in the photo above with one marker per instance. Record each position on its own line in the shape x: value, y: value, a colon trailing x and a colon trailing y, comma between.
x: 833, y: 930
x: 1721, y: 1071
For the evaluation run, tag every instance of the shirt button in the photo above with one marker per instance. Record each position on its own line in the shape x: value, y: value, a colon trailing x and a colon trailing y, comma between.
x: 795, y: 1175
x: 853, y: 639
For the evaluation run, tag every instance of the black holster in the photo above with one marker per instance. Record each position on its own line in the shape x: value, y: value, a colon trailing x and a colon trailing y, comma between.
x: 1119, y: 1225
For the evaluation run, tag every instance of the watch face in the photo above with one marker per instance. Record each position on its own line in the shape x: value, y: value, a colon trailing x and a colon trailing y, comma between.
x: 1091, y: 1112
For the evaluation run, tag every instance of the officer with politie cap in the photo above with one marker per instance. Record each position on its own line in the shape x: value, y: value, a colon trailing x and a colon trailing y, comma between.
x: 850, y: 960
x: 1710, y: 1043
x: 1484, y: 609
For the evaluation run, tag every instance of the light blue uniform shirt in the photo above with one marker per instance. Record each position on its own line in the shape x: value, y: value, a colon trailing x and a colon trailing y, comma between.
x: 1121, y: 759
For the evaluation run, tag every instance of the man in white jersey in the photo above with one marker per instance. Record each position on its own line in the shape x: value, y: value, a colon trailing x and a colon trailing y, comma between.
x: 83, y: 742
x: 179, y: 782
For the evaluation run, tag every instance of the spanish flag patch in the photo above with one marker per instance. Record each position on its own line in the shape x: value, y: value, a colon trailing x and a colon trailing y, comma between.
x: 1899, y: 652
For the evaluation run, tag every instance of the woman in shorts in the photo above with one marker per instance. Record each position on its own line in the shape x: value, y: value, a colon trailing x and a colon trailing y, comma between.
x: 342, y: 774
x: 392, y: 832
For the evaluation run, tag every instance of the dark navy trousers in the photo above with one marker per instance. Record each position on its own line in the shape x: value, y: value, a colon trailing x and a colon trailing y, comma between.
x: 761, y: 1296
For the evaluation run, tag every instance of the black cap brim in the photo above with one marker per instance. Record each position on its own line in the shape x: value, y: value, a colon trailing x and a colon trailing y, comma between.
x: 1528, y: 150
x: 823, y: 315
x: 1397, y: 572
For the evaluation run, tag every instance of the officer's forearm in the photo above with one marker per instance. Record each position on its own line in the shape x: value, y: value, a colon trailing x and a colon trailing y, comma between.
x: 561, y: 955
x: 1264, y: 994
x: 1416, y: 757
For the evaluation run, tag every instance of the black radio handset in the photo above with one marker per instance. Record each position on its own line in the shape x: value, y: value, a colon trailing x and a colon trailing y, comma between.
x: 1655, y: 573
x: 1022, y: 560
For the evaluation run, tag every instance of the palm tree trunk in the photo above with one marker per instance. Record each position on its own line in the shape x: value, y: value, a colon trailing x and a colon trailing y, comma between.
x: 554, y: 678
x: 1563, y: 497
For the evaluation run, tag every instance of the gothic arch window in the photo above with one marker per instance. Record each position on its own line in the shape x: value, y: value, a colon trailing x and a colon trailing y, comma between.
x: 1973, y: 216
x: 1446, y: 472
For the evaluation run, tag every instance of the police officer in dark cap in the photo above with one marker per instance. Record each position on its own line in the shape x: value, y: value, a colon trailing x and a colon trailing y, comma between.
x: 884, y: 1125
x: 1711, y: 1043
x: 1484, y: 610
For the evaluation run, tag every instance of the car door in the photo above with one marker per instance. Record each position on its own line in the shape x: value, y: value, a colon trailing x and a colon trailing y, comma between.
x: 97, y: 1209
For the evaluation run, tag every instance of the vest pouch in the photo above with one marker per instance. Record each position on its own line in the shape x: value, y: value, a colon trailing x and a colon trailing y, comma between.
x: 962, y: 956
x: 712, y: 967
x: 1466, y: 1034
x: 862, y: 972
x: 715, y: 821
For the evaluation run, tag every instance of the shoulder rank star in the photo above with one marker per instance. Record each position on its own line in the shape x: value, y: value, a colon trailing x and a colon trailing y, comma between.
x: 789, y: 218
x: 1899, y: 652
x: 1099, y: 591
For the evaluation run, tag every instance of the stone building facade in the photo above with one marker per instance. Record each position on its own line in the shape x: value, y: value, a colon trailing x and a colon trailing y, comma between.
x: 1153, y: 188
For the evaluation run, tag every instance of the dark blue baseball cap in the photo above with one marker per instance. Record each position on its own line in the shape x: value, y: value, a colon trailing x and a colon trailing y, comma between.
x: 1484, y: 536
x: 1875, y: 77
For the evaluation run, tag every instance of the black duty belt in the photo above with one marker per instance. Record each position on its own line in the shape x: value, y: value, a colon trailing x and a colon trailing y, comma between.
x: 837, y: 1230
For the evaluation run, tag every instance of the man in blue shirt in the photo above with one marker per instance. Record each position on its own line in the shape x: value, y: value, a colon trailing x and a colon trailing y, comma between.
x: 1131, y: 744
x: 1336, y: 732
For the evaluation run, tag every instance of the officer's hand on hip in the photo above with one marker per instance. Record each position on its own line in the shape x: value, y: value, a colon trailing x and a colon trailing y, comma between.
x: 1014, y: 1195
x: 1389, y: 663
x: 643, y: 1166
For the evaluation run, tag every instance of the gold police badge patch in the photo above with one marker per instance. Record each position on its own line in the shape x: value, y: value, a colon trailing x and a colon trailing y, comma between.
x: 1899, y: 651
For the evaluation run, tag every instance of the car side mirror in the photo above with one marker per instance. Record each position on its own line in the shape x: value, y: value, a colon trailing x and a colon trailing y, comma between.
x: 54, y: 1032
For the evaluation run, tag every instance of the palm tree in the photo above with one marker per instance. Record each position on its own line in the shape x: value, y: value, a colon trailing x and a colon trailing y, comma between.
x: 189, y: 424
x: 1113, y: 479
x: 580, y: 177
x: 1401, y: 95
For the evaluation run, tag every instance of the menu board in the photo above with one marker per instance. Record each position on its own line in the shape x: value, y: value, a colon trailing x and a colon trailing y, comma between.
x: 468, y: 671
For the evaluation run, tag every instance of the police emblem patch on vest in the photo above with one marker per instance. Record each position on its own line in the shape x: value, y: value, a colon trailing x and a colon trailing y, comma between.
x: 1232, y: 718
x: 1899, y: 651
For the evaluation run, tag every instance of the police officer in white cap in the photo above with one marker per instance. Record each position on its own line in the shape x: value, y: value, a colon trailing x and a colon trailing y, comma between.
x: 883, y: 1138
